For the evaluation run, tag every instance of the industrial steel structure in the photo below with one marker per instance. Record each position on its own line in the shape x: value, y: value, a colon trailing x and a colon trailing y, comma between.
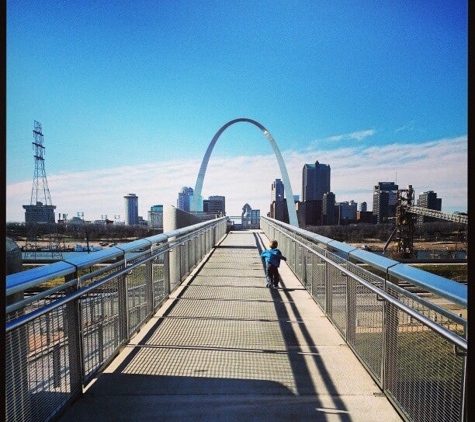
x: 406, y: 213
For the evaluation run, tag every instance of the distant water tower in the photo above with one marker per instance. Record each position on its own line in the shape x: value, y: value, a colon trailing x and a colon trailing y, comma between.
x: 131, y: 209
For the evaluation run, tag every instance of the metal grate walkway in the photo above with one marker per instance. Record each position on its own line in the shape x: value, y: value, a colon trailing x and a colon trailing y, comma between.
x: 226, y: 348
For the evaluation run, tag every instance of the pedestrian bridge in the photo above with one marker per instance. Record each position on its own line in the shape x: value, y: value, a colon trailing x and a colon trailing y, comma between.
x: 187, y: 330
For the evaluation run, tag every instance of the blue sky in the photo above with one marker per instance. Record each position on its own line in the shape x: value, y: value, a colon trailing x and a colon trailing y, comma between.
x: 130, y: 94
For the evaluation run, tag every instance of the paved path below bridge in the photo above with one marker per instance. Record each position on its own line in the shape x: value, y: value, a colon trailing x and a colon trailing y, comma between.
x: 226, y: 348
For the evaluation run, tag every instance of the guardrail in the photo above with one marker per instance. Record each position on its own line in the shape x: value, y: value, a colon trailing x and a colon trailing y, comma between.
x: 414, y: 346
x: 60, y: 337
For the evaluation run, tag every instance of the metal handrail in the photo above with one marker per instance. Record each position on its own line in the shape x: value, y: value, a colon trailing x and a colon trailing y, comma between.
x: 447, y: 334
x: 386, y: 310
x: 19, y: 282
x: 443, y: 287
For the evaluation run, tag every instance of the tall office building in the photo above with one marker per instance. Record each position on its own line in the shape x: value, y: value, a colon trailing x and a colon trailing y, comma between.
x: 250, y: 218
x: 277, y: 191
x: 278, y: 206
x: 384, y: 201
x: 215, y: 204
x: 315, y: 181
x: 428, y: 200
x: 347, y: 212
x: 155, y: 217
x: 185, y: 197
x: 328, y: 209
x: 131, y: 209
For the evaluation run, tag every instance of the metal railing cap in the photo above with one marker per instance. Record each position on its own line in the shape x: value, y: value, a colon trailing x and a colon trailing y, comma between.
x: 318, y: 237
x: 135, y: 244
x: 433, y: 283
x: 87, y: 259
x: 23, y: 280
x: 305, y: 233
x: 380, y: 262
x: 340, y: 246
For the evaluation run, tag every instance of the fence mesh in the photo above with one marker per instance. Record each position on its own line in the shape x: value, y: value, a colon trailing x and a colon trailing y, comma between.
x: 38, y: 367
x: 419, y: 370
x: 423, y: 373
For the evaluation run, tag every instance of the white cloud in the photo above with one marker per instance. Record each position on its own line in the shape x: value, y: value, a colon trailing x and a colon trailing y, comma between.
x: 358, y: 135
x: 361, y: 134
x: 409, y: 126
x: 440, y: 166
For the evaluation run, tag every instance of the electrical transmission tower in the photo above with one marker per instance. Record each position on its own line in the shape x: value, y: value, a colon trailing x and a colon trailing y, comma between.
x: 39, y: 215
x: 40, y: 191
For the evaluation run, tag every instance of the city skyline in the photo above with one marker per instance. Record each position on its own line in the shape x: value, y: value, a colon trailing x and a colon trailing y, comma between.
x: 129, y: 97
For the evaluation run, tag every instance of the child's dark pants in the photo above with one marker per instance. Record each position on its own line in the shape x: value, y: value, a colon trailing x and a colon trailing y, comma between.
x: 272, y: 274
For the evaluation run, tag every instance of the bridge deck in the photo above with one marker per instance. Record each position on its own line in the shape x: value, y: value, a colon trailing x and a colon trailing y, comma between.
x: 226, y: 348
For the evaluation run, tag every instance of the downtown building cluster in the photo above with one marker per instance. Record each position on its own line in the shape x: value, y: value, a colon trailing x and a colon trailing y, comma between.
x: 318, y: 205
x: 215, y: 206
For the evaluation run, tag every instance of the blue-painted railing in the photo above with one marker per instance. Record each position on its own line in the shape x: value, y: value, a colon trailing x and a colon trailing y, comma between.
x: 413, y: 344
x: 66, y: 321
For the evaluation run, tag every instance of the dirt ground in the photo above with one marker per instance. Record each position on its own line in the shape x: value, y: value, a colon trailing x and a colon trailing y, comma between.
x: 421, y: 246
x: 375, y: 245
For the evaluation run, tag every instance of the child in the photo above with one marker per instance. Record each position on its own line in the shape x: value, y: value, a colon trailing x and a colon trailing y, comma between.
x: 272, y: 259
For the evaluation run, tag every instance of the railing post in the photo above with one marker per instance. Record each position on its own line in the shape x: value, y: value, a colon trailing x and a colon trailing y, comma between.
x: 304, y: 268
x: 312, y: 269
x: 182, y: 263
x: 328, y: 290
x: 57, y: 365
x: 175, y: 267
x: 149, y: 293
x: 123, y: 308
x: 73, y: 333
x: 100, y: 336
x: 166, y: 273
x: 192, y: 252
x: 390, y: 337
x: 351, y: 310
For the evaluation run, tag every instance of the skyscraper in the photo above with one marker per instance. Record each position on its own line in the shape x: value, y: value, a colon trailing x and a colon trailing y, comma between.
x: 277, y: 191
x: 131, y: 209
x: 328, y: 209
x: 347, y: 212
x: 155, y: 216
x: 315, y: 181
x: 249, y: 217
x: 278, y: 207
x: 428, y: 200
x: 384, y: 201
x: 217, y: 203
x: 185, y: 197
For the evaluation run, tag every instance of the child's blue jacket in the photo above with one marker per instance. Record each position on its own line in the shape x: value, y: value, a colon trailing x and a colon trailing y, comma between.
x: 273, y: 256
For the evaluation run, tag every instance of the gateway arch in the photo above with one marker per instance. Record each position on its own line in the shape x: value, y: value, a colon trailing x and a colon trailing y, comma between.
x: 283, y: 170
